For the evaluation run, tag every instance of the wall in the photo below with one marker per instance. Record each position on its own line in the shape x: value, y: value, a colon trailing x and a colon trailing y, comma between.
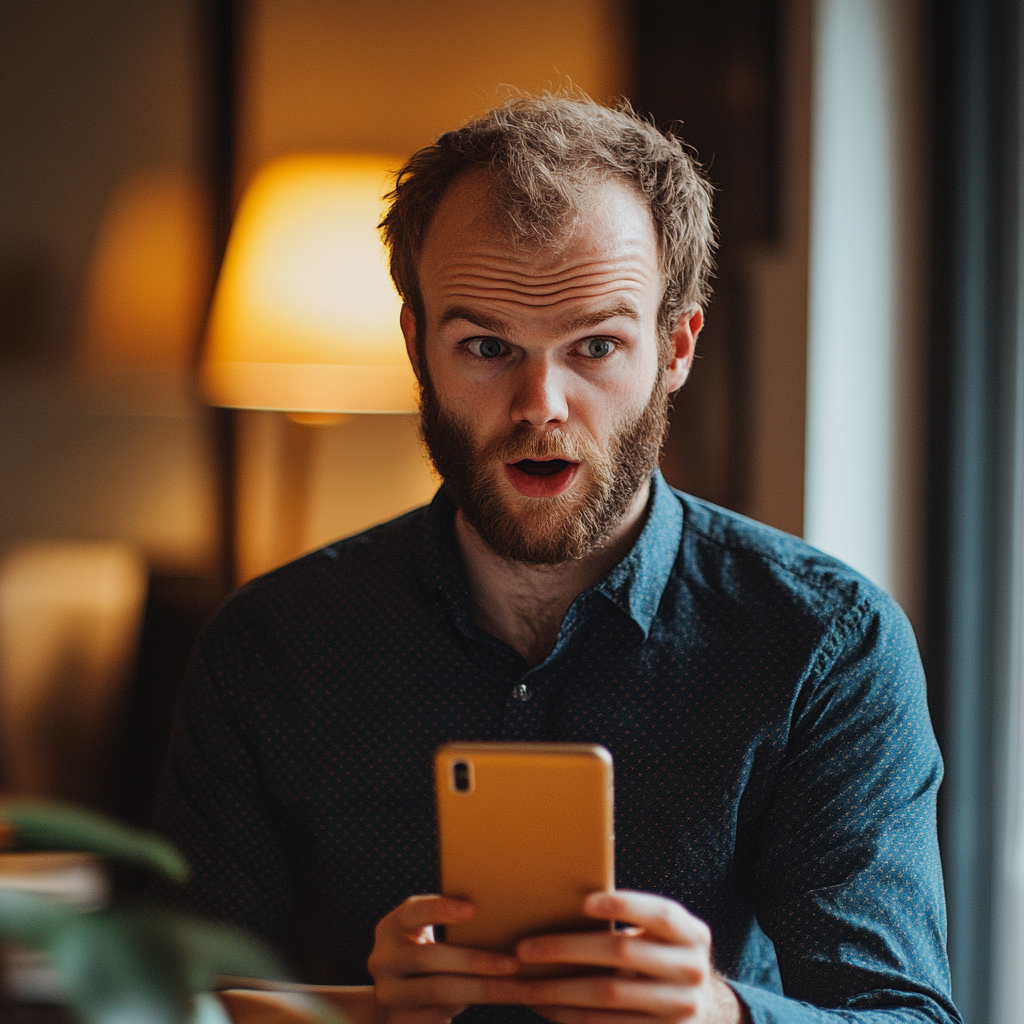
x: 89, y: 93
x: 92, y: 95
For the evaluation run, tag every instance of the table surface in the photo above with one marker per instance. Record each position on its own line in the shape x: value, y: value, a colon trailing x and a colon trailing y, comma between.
x: 250, y: 1006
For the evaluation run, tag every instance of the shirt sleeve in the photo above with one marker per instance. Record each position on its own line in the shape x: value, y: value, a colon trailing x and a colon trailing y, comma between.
x: 212, y: 802
x: 848, y: 880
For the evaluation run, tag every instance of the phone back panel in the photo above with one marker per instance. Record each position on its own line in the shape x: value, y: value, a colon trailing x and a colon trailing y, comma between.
x: 530, y: 837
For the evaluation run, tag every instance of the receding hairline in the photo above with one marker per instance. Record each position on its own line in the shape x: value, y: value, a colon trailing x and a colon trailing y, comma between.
x: 547, y: 235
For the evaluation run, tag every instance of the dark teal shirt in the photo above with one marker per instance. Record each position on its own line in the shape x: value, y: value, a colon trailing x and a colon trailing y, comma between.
x: 775, y: 768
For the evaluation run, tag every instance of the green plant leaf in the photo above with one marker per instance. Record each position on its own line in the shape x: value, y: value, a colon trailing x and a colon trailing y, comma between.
x: 133, y: 963
x: 129, y: 963
x: 210, y: 949
x: 111, y: 972
x: 30, y: 920
x: 51, y: 825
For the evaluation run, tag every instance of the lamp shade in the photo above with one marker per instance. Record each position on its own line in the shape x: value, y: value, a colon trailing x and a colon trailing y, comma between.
x: 304, y: 317
x: 148, y: 279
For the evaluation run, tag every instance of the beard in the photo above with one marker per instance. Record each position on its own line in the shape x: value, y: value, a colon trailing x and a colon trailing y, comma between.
x: 549, y: 530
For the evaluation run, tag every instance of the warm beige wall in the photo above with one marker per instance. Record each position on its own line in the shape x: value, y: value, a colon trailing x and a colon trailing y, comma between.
x: 388, y: 76
x: 96, y: 458
x: 95, y: 93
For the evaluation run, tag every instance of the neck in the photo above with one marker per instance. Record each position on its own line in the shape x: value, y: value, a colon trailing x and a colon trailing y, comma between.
x: 524, y: 605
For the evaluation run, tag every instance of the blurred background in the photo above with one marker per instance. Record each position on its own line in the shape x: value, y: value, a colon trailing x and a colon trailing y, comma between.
x: 860, y: 380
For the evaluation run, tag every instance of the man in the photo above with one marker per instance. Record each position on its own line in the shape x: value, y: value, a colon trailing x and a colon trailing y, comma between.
x: 775, y: 768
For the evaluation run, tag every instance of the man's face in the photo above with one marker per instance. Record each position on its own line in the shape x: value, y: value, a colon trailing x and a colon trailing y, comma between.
x: 544, y: 401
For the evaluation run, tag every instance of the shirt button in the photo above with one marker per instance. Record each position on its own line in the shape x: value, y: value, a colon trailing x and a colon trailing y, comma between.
x: 522, y: 692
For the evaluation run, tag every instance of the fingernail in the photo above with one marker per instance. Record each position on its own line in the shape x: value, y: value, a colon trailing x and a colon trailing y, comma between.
x: 598, y: 903
x: 526, y: 949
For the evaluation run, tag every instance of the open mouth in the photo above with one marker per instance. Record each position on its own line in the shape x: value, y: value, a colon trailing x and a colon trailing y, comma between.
x: 541, y: 478
x: 536, y: 467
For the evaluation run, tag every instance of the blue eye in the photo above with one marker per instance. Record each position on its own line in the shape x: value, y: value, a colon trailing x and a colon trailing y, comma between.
x: 486, y: 348
x: 596, y: 348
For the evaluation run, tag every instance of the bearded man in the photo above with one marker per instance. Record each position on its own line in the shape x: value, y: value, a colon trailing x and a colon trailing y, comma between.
x: 775, y: 767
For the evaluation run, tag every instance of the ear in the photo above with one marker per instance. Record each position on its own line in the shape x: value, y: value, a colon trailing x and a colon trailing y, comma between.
x: 684, y: 342
x: 408, y: 322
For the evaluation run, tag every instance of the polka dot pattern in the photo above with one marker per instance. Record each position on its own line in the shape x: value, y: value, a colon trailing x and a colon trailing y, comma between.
x: 775, y: 768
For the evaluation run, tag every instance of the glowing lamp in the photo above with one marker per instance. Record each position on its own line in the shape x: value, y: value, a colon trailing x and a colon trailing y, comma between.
x: 146, y: 289
x: 304, y: 317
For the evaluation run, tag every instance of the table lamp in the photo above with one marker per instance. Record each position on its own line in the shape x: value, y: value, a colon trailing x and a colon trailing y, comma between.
x: 305, y: 320
x: 149, y: 278
x: 304, y: 317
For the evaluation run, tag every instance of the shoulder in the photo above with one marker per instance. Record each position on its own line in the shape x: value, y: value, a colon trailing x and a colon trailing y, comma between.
x: 839, y: 649
x: 731, y: 559
x: 343, y: 581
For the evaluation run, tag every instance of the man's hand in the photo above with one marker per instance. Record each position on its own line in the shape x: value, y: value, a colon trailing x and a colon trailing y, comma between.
x: 420, y: 981
x: 661, y: 968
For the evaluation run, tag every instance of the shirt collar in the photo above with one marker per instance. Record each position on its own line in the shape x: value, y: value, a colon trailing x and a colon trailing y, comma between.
x: 635, y: 585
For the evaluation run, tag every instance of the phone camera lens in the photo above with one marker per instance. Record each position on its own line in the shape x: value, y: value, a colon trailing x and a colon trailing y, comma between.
x: 460, y: 776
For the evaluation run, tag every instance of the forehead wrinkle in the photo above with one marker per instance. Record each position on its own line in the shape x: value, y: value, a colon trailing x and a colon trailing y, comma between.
x: 529, y: 298
x: 478, y: 284
x: 488, y: 268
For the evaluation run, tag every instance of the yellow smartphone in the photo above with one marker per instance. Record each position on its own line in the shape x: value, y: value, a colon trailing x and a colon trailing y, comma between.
x: 526, y: 833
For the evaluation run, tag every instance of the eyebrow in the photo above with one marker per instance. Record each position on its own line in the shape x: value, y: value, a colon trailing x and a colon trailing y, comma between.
x: 623, y: 308
x: 494, y: 324
x: 572, y: 325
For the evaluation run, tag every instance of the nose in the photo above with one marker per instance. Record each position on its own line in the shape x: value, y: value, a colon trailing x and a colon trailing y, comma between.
x: 539, y: 399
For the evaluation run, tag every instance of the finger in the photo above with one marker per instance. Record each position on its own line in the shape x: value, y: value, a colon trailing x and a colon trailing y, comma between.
x: 609, y: 992
x: 422, y: 911
x: 659, y: 916
x: 622, y: 951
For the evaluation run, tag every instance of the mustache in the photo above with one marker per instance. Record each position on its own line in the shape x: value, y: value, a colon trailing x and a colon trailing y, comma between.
x: 555, y: 444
